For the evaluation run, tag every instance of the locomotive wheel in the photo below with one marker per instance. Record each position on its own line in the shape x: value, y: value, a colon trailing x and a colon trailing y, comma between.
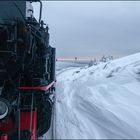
x: 44, y: 120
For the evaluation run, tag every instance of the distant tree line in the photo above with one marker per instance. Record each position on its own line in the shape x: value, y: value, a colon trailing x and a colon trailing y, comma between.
x: 106, y: 59
x: 103, y: 59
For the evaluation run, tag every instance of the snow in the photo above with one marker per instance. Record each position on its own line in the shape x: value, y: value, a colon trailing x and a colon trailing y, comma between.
x: 63, y: 64
x: 98, y: 102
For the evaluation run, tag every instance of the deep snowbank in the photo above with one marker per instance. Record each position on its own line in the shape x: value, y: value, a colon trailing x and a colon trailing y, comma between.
x: 101, y: 101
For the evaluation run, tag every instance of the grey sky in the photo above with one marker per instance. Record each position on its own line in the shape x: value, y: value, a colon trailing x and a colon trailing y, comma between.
x: 92, y: 29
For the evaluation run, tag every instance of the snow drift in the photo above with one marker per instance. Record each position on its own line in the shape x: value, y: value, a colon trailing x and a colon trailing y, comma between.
x: 101, y: 101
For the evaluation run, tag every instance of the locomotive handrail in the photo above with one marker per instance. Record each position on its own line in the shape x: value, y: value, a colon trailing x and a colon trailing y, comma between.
x: 7, y: 52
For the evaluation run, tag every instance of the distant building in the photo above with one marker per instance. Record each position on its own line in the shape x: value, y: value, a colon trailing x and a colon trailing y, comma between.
x: 75, y: 58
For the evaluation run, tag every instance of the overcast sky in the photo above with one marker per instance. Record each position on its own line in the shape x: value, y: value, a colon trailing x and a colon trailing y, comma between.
x: 92, y: 29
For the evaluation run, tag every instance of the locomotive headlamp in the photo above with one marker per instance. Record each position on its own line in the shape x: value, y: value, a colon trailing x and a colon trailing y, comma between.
x: 4, y: 109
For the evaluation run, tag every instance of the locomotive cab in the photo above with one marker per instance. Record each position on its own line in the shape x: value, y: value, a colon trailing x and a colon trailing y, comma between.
x: 27, y: 72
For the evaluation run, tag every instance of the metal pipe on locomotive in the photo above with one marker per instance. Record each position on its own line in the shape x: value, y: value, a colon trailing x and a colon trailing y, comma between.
x: 27, y: 72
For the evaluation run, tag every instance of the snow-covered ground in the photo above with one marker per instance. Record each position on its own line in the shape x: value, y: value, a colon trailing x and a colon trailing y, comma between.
x: 100, y: 101
x: 64, y: 64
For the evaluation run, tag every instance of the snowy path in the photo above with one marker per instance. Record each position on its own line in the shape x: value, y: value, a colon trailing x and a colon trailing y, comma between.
x: 61, y: 68
x: 101, y: 101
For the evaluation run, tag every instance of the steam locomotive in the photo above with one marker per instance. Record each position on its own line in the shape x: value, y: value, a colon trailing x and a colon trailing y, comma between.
x: 27, y: 72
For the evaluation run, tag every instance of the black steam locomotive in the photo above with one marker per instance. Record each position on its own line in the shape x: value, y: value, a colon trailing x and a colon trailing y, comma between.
x: 27, y: 72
